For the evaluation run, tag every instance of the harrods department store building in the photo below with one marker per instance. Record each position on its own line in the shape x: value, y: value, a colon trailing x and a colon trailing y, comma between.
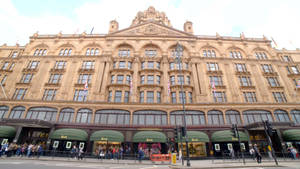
x: 123, y: 89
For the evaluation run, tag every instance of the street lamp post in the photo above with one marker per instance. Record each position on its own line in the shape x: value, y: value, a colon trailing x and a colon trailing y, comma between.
x: 178, y: 54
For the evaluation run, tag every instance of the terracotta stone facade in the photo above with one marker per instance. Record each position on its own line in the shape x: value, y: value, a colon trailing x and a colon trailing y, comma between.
x: 135, y: 69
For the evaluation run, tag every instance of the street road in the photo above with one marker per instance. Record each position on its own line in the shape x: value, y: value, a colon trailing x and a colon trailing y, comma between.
x: 35, y: 164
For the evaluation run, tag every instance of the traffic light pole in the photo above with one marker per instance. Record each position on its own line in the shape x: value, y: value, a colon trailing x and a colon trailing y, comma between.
x: 238, y: 134
x: 267, y: 127
x: 179, y: 51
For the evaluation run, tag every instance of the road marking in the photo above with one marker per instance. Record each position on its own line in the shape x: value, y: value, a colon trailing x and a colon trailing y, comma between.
x: 154, y: 166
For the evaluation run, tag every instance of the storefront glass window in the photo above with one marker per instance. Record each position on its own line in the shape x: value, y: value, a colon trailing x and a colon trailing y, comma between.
x: 215, y: 117
x: 233, y: 117
x: 17, y: 112
x: 295, y: 116
x: 150, y: 117
x: 119, y: 117
x: 281, y: 116
x: 192, y: 118
x: 84, y: 116
x: 251, y: 116
x: 66, y: 115
x: 42, y: 113
x: 3, y: 111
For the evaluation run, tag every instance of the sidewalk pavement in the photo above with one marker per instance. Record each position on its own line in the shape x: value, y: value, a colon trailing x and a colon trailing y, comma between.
x: 195, y: 164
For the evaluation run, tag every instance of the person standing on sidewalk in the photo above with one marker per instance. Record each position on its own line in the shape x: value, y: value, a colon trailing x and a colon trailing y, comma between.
x: 141, y: 154
x: 257, y: 154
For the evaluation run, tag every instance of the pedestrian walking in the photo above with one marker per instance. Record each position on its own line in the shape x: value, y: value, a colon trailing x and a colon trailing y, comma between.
x: 294, y: 153
x: 141, y: 154
x: 257, y: 154
x: 80, y: 153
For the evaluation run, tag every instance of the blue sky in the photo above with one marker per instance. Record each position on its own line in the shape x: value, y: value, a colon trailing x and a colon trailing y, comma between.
x: 273, y: 18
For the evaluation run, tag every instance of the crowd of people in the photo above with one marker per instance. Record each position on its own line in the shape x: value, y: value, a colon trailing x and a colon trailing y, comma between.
x: 28, y: 150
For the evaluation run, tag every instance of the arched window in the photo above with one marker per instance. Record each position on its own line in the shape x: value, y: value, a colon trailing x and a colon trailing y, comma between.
x: 252, y: 116
x: 296, y: 116
x: 233, y: 117
x: 235, y: 54
x: 215, y: 117
x: 66, y: 115
x: 149, y: 117
x: 3, y: 111
x: 87, y: 52
x: 281, y: 116
x: 192, y: 118
x: 84, y: 116
x: 17, y: 112
x: 209, y: 53
x: 113, y: 117
x: 42, y: 113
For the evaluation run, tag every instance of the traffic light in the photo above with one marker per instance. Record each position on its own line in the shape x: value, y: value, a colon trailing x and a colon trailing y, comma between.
x: 234, y: 130
x: 269, y: 128
x: 183, y: 131
x: 176, y: 133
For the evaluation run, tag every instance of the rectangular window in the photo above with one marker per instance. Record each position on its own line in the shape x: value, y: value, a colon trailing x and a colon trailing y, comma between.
x: 122, y: 64
x: 60, y: 65
x: 54, y: 78
x: 150, y: 53
x: 26, y: 78
x: 88, y: 65
x: 245, y: 81
x: 80, y: 95
x: 141, y: 97
x: 188, y: 80
x: 120, y: 79
x: 49, y: 94
x: 3, y: 79
x: 182, y: 94
x: 11, y: 66
x: 118, y: 96
x: 5, y: 65
x: 14, y: 54
x: 295, y: 70
x: 250, y: 97
x: 219, y: 97
x: 240, y: 67
x: 158, y: 80
x: 190, y: 97
x: 212, y: 66
x: 267, y: 68
x: 124, y: 53
x: 109, y: 96
x: 150, y: 97
x: 150, y: 65
x: 19, y: 94
x: 33, y: 65
x: 128, y: 79
x: 83, y: 78
x: 286, y: 58
x: 142, y: 79
x: 216, y: 80
x: 150, y: 79
x: 273, y: 81
x: 112, y: 81
x: 171, y: 66
x: 157, y: 65
x: 129, y: 65
x: 180, y: 79
x: 143, y: 65
x: 158, y: 97
x: 279, y: 97
x: 172, y: 80
x: 173, y: 95
x: 126, y: 97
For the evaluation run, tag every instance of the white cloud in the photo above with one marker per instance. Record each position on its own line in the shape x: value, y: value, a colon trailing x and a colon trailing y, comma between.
x: 276, y: 18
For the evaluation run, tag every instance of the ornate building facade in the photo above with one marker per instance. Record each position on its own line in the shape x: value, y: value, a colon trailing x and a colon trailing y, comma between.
x: 123, y: 88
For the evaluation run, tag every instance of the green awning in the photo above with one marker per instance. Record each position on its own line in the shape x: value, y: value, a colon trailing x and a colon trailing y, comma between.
x: 69, y: 134
x: 197, y: 136
x: 150, y: 137
x: 7, y: 131
x: 291, y: 135
x: 226, y: 136
x: 107, y: 135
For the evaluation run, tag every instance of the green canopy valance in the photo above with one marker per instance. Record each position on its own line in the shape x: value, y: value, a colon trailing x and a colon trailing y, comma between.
x: 107, y: 135
x: 149, y: 136
x: 291, y: 135
x: 197, y: 136
x: 7, y: 132
x: 69, y: 134
x: 226, y: 136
